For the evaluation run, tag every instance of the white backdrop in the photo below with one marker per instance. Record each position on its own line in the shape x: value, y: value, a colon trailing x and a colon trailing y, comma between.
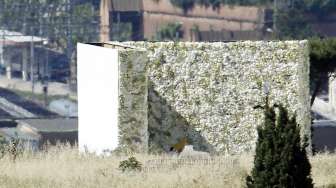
x: 97, y: 71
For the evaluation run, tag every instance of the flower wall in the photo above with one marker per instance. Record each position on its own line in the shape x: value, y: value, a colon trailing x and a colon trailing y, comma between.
x: 210, y: 92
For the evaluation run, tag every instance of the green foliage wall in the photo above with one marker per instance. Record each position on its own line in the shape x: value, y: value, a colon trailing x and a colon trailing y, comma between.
x: 133, y: 84
x: 207, y: 91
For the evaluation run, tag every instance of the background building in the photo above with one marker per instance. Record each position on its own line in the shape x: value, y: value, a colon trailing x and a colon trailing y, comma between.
x: 148, y: 18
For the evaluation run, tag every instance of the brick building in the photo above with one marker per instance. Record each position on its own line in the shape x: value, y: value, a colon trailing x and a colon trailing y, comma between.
x: 147, y: 17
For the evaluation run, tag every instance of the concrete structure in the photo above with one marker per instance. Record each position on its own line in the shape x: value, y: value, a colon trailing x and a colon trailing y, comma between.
x: 325, y: 102
x: 36, y: 133
x: 32, y: 123
x: 28, y: 138
x: 148, y: 17
x: 332, y: 93
x: 11, y: 41
x: 52, y: 131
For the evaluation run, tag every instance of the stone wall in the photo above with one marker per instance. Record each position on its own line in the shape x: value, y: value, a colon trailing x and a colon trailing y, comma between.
x: 207, y: 92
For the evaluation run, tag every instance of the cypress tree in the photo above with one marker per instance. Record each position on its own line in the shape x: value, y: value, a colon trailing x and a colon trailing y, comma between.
x: 280, y: 160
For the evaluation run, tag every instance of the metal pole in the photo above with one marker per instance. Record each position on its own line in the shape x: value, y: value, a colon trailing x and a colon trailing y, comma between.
x: 46, y: 73
x: 2, y: 59
x: 45, y: 93
x: 2, y: 48
x: 275, y: 14
x: 32, y: 63
x: 69, y: 42
x: 46, y: 78
x: 118, y: 26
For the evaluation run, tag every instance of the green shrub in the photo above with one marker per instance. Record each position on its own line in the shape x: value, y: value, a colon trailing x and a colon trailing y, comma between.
x: 281, y: 160
x: 185, y: 5
x: 13, y: 148
x: 171, y: 31
x: 131, y: 164
x: 3, y: 146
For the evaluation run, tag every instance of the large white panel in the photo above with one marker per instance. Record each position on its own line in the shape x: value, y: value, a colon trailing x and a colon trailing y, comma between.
x: 97, y: 98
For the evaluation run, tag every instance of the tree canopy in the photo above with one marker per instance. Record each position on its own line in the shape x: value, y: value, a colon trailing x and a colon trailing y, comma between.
x: 322, y: 62
x: 171, y: 31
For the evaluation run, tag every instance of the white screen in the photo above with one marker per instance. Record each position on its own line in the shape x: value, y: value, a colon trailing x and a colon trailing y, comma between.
x: 97, y: 70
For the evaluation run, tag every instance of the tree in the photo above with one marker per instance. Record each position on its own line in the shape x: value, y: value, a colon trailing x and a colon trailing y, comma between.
x: 292, y: 22
x: 171, y: 31
x: 185, y: 5
x: 322, y: 63
x: 281, y: 160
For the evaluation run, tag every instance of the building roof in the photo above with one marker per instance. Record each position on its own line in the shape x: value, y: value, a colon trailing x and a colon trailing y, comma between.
x: 13, y: 37
x: 19, y: 132
x: 52, y: 125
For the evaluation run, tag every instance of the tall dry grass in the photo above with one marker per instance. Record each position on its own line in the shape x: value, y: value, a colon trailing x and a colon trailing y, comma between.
x: 63, y: 167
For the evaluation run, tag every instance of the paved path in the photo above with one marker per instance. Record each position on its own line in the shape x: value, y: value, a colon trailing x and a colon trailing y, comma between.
x: 324, y: 135
x: 325, y: 123
x: 54, y: 88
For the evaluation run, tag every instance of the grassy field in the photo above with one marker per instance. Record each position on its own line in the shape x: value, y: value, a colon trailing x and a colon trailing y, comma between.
x: 63, y: 167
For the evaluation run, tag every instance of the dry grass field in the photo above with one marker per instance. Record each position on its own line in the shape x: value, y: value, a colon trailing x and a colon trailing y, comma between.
x: 63, y: 167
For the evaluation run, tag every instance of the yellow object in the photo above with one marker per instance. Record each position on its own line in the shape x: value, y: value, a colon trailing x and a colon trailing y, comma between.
x: 179, y: 146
